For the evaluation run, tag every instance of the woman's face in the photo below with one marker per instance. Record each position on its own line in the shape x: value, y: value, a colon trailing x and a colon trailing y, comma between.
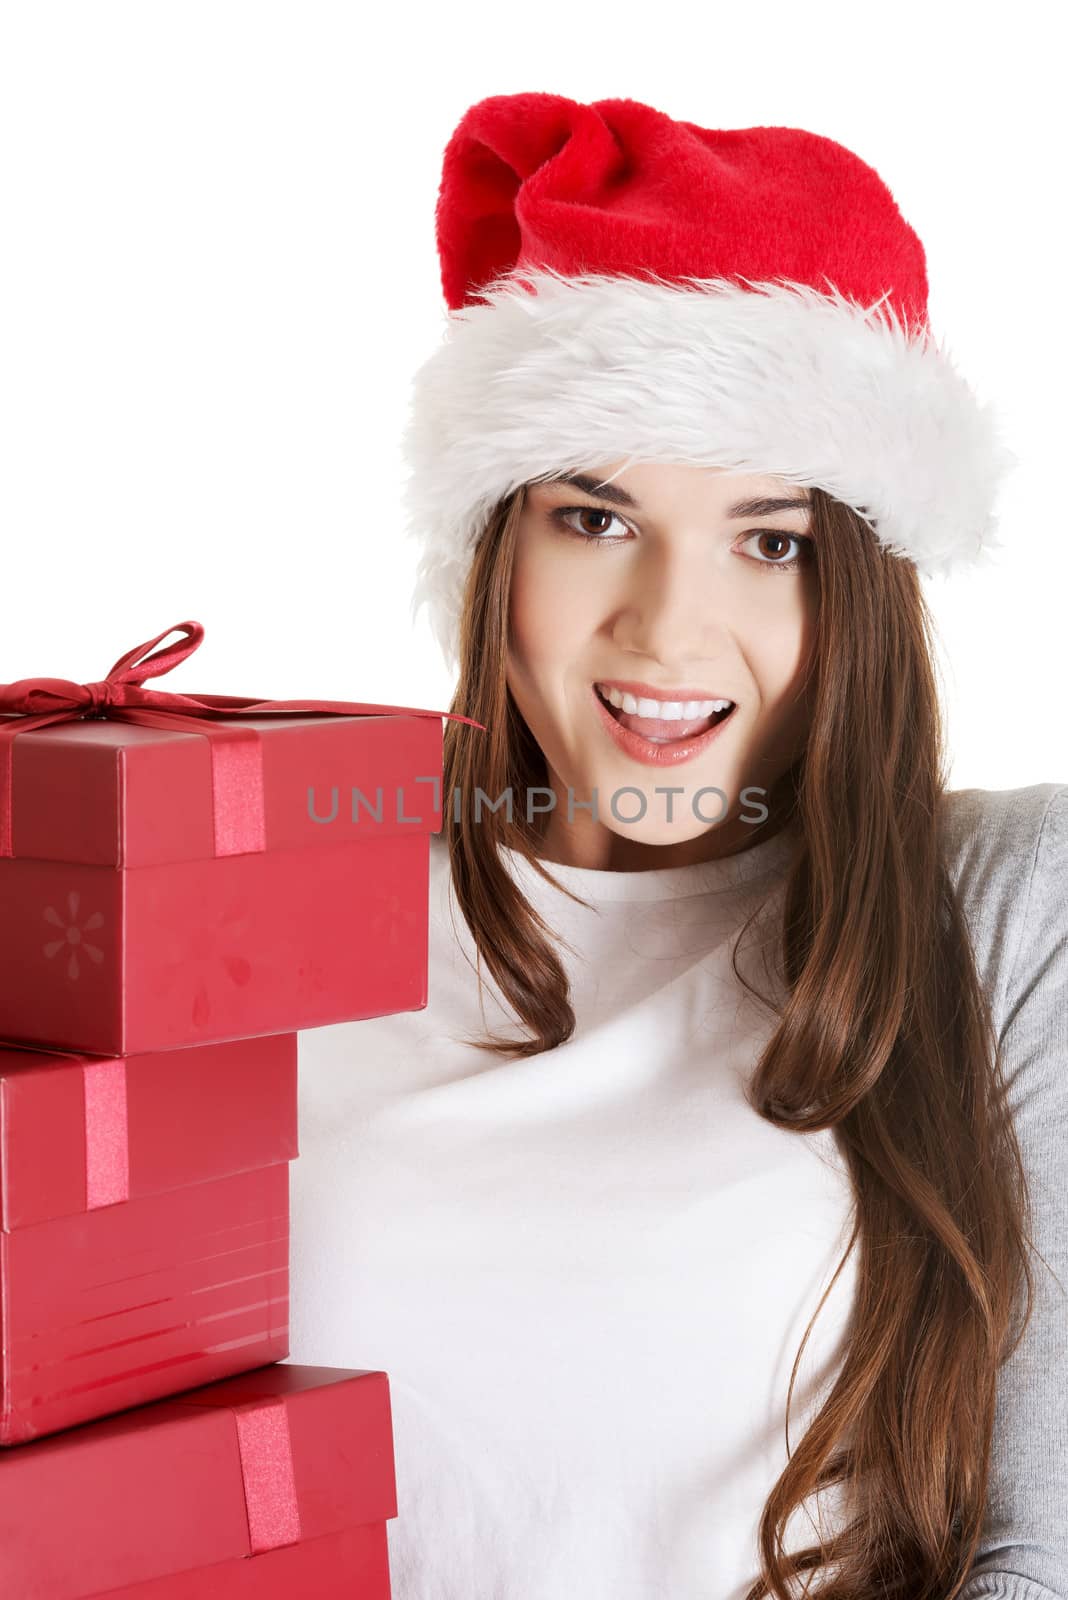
x: 678, y: 586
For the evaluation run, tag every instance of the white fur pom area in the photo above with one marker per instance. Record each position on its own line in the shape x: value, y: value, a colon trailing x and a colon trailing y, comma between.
x: 775, y: 377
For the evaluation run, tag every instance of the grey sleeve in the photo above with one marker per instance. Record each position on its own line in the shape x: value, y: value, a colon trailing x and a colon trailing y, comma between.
x: 1023, y: 1554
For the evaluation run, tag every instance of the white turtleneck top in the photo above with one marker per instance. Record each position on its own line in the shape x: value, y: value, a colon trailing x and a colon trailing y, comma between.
x: 588, y: 1273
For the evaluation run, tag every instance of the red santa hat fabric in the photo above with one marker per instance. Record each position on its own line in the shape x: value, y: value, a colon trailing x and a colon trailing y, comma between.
x: 622, y: 286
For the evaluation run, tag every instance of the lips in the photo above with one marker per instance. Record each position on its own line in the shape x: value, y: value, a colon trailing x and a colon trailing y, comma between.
x: 655, y: 728
x: 658, y: 751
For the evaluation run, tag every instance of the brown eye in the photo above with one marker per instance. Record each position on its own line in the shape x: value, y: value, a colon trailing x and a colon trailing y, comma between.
x: 598, y: 535
x: 780, y: 540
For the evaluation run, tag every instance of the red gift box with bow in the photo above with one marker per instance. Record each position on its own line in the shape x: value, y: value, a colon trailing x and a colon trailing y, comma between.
x: 144, y: 1225
x: 269, y: 1484
x: 180, y: 870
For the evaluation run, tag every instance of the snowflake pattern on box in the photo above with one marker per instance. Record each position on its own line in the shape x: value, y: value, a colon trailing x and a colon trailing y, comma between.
x: 211, y: 949
x: 73, y: 939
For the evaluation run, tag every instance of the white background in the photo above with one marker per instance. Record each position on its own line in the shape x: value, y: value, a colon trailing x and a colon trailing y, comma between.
x: 218, y: 274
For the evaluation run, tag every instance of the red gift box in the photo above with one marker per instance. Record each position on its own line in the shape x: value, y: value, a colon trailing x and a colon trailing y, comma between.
x: 144, y: 1225
x: 180, y: 870
x: 268, y: 1472
x: 352, y: 1565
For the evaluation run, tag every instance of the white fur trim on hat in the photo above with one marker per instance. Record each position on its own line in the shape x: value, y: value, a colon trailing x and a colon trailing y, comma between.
x: 777, y: 378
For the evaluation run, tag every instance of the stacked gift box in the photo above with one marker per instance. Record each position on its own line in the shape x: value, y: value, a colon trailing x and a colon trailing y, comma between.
x: 186, y: 882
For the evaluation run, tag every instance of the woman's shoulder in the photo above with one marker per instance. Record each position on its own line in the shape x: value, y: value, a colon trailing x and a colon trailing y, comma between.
x: 993, y: 836
x: 1006, y: 851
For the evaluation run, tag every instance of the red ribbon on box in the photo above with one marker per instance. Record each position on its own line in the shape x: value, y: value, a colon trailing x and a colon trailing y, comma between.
x: 236, y: 752
x: 266, y: 1452
x: 107, y: 1136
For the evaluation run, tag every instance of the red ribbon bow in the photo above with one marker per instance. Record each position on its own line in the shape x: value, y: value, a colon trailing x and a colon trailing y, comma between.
x: 237, y: 759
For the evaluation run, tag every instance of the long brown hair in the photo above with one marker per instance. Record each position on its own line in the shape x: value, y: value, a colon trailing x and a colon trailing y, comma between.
x: 885, y: 1036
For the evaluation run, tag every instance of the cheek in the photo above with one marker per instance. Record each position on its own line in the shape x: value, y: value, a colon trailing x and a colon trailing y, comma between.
x: 782, y: 662
x: 782, y: 638
x: 549, y: 615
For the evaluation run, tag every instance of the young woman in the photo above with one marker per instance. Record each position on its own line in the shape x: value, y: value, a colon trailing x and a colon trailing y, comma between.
x: 711, y: 1221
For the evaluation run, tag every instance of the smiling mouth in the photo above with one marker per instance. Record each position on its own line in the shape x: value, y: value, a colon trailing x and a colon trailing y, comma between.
x: 659, y: 731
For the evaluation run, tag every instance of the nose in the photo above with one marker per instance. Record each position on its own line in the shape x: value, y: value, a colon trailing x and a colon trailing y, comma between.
x: 672, y: 609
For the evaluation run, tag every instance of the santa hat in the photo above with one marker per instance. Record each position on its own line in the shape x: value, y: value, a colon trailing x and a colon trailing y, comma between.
x: 623, y: 285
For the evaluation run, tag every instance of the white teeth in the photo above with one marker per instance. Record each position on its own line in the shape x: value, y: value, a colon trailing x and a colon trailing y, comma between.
x: 664, y: 710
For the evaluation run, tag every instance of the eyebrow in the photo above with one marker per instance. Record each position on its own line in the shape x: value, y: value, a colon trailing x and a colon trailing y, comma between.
x: 761, y: 506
